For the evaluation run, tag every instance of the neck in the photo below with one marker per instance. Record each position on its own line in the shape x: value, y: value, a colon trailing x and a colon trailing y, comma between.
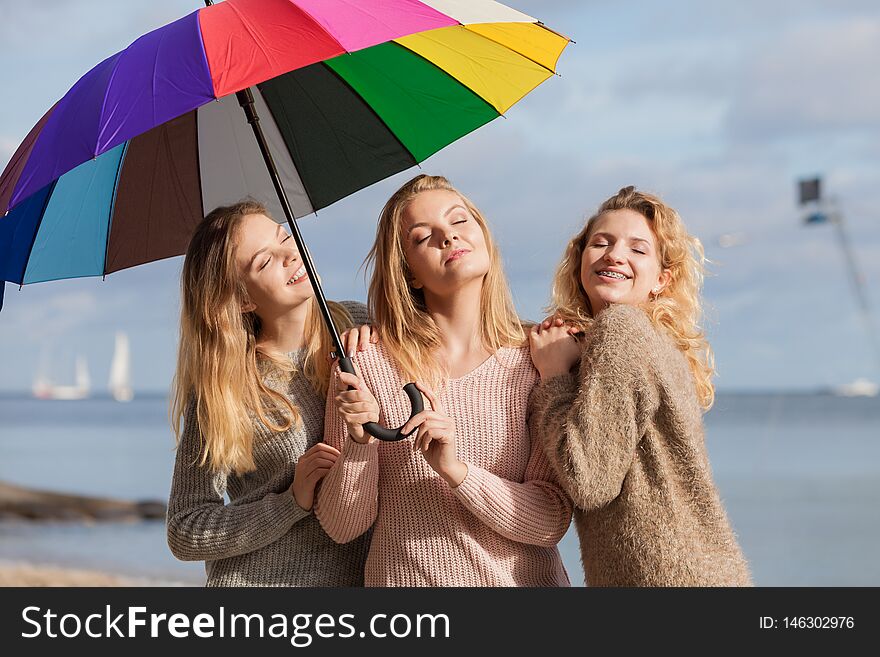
x: 458, y: 317
x: 285, y: 332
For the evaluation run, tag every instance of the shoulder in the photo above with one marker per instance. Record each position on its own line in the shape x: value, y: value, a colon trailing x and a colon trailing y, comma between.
x: 622, y: 317
x: 622, y: 335
x: 357, y: 310
x: 516, y: 357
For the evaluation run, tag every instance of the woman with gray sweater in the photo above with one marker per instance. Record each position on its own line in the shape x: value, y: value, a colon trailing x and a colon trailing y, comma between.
x: 620, y: 412
x: 248, y: 410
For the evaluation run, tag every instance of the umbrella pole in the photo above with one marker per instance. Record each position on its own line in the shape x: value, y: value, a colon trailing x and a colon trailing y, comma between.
x: 246, y: 100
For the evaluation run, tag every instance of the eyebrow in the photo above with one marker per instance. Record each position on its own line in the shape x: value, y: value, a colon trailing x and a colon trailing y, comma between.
x: 448, y: 211
x: 254, y: 257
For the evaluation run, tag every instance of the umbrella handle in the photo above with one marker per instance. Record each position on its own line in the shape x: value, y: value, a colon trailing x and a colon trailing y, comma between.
x: 374, y: 428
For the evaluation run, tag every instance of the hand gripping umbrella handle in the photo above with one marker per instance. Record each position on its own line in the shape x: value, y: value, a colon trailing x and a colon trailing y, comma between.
x: 374, y: 428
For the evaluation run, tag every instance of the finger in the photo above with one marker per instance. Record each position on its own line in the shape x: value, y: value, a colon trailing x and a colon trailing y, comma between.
x: 350, y: 396
x: 419, y: 418
x: 320, y: 462
x: 356, y: 408
x: 364, y: 339
x: 431, y: 397
x: 316, y: 475
x: 422, y: 441
x: 350, y: 340
x: 558, y: 321
x: 414, y: 422
x: 374, y: 335
x: 322, y: 447
x: 360, y: 419
x: 347, y: 381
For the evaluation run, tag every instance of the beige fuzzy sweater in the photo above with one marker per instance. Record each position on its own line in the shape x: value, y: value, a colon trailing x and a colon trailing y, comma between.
x: 626, y: 438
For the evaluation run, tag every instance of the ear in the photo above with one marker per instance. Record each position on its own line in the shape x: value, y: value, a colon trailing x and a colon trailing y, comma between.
x: 662, y: 281
x: 248, y: 307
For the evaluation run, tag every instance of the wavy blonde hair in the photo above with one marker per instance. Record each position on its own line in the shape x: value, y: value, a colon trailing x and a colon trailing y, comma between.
x: 676, y: 309
x: 398, y: 309
x: 220, y: 368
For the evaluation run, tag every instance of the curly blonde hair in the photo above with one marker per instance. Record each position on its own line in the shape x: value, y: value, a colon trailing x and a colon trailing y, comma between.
x: 676, y: 309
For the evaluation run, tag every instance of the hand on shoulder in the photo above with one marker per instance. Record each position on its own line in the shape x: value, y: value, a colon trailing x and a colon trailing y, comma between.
x: 554, y: 347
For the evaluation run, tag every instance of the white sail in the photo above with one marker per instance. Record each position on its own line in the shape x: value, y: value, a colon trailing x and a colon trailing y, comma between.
x: 120, y: 370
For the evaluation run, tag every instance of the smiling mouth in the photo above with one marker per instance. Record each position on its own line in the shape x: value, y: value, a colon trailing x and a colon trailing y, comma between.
x: 298, y: 276
x: 455, y: 255
x: 613, y: 275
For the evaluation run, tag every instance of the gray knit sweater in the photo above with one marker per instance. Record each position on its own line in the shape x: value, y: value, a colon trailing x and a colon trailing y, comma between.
x: 261, y: 537
x: 625, y: 437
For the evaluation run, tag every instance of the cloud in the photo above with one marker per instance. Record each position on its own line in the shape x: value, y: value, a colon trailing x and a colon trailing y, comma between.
x: 815, y: 78
x: 49, y: 318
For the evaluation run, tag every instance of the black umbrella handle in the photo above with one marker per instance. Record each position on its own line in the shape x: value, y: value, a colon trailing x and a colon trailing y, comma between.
x: 377, y: 430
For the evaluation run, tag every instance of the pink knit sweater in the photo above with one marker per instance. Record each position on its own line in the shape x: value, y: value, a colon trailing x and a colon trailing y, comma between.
x: 499, y: 527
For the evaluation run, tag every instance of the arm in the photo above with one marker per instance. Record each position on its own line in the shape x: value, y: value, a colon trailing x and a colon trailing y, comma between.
x: 347, y: 501
x: 536, y: 511
x: 591, y: 425
x: 200, y: 527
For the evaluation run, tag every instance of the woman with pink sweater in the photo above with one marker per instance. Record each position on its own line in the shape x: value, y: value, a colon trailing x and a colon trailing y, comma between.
x: 471, y: 500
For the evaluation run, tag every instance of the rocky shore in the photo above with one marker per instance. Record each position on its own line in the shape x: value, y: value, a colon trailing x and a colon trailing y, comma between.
x: 18, y: 503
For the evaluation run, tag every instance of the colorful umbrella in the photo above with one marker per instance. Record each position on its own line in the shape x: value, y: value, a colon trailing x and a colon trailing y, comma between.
x: 339, y: 93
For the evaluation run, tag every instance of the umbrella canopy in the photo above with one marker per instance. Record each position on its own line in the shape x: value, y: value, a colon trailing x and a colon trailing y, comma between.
x: 121, y: 169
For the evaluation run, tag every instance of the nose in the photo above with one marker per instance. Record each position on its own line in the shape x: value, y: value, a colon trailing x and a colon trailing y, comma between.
x: 614, y: 253
x: 449, y: 237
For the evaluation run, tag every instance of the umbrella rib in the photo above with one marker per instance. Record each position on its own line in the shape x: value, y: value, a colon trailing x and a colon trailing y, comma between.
x: 374, y: 112
x: 113, y: 208
x: 539, y: 24
x: 296, y: 164
x: 36, y: 232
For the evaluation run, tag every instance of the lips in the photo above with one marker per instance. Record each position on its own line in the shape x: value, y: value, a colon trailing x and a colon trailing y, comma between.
x: 455, y: 255
x: 298, y: 277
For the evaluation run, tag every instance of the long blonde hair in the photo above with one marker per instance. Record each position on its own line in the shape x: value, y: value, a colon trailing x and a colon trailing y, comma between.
x: 220, y: 368
x: 398, y: 309
x: 676, y: 309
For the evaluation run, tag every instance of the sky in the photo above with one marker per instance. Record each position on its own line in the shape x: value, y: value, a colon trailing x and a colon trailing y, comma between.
x: 717, y: 107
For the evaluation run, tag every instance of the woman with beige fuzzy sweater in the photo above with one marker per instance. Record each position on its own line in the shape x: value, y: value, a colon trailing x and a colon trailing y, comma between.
x: 619, y: 411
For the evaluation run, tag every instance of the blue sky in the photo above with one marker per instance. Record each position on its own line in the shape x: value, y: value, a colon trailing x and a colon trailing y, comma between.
x: 717, y: 107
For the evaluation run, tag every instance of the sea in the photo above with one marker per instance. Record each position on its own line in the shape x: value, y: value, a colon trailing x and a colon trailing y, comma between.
x: 799, y: 475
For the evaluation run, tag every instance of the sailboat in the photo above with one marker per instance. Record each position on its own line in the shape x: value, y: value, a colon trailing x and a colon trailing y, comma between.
x: 43, y: 388
x: 859, y: 388
x: 120, y: 370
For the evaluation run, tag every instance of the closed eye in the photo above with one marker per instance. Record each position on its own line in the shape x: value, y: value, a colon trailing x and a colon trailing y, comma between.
x: 263, y: 266
x: 637, y: 251
x: 424, y: 239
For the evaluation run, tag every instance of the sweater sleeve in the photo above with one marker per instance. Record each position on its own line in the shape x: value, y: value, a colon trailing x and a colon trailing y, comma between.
x: 200, y: 527
x: 591, y: 427
x: 536, y: 511
x: 347, y: 501
x: 358, y: 312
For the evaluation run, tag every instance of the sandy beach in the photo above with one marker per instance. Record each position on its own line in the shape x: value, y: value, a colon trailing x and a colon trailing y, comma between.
x: 16, y: 573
